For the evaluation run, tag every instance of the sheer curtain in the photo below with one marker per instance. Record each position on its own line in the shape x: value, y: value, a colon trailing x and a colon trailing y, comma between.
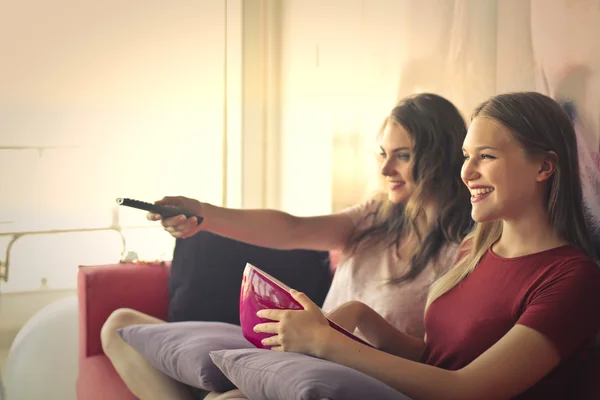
x: 360, y: 57
x: 566, y: 44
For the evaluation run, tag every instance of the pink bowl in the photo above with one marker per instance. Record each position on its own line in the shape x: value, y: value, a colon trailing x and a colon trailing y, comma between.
x: 261, y: 291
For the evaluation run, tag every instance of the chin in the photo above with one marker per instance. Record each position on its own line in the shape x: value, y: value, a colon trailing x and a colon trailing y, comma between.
x: 483, y: 217
x: 396, y: 198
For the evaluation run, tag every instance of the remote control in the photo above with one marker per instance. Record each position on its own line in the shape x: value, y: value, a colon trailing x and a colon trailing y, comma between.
x: 164, y: 211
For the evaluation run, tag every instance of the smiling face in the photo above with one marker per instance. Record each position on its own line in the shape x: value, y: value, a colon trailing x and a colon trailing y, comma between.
x: 396, y: 162
x: 504, y: 182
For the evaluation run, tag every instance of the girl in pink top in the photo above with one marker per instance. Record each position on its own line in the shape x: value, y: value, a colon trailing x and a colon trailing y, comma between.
x: 517, y: 314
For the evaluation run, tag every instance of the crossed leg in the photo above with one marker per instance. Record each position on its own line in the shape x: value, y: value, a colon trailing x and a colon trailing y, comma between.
x: 142, y: 379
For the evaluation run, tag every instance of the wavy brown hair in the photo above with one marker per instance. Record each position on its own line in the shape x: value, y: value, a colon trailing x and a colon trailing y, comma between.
x: 540, y: 125
x: 437, y: 130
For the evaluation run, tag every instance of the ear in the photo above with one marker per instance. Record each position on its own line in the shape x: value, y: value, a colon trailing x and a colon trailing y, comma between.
x: 547, y: 167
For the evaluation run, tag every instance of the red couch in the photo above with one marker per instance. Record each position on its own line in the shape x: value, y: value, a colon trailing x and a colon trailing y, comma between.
x: 103, y: 289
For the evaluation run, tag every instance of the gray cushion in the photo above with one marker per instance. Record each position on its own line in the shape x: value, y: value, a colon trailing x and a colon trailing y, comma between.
x: 270, y: 375
x: 181, y: 350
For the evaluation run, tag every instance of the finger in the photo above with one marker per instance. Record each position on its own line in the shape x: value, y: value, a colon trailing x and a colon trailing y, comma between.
x: 172, y: 229
x: 184, y: 230
x: 178, y: 235
x: 277, y: 348
x: 271, y: 341
x: 174, y: 222
x: 267, y: 327
x: 273, y: 315
x: 153, y: 217
x: 189, y: 225
x: 303, y: 299
x: 169, y: 201
x: 176, y: 230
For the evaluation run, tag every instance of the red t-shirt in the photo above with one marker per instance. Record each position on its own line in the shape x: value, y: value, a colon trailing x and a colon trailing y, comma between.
x: 556, y: 292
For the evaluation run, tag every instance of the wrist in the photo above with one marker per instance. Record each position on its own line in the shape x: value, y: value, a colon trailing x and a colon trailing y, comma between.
x: 325, y: 338
x: 201, y: 209
x: 208, y: 212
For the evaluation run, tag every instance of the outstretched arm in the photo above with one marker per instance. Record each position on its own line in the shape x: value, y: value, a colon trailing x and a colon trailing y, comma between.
x: 266, y: 228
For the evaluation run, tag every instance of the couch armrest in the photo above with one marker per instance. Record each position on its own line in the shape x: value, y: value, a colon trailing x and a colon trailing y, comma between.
x: 101, y: 289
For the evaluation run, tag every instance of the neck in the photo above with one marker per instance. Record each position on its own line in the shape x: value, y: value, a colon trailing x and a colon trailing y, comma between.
x: 531, y: 233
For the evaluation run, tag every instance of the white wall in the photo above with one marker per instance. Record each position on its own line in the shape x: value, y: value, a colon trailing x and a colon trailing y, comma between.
x: 102, y: 100
x: 340, y: 76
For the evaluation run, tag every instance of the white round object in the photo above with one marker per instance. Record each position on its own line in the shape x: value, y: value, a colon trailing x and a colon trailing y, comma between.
x: 43, y: 359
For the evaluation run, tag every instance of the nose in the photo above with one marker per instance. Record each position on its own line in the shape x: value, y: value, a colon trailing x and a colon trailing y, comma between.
x: 469, y: 171
x: 387, y: 167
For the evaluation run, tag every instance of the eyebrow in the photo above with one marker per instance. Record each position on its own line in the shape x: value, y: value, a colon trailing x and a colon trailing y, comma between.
x: 479, y: 148
x: 397, y: 149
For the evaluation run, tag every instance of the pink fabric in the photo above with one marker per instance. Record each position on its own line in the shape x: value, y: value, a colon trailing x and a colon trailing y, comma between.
x: 105, y: 288
x: 363, y: 278
x: 98, y: 380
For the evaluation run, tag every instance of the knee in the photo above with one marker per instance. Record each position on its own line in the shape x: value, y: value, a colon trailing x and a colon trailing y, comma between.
x: 120, y: 318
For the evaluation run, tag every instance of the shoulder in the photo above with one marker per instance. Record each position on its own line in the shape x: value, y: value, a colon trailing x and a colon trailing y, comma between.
x: 567, y: 270
x: 568, y: 261
x: 361, y: 211
x: 563, y: 299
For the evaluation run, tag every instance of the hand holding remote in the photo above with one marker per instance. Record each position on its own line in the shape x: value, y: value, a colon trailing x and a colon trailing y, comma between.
x: 180, y: 226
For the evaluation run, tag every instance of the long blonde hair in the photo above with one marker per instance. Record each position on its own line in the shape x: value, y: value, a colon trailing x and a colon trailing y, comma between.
x: 540, y: 125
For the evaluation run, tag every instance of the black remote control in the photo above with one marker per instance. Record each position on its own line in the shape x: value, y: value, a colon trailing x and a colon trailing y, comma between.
x: 164, y: 211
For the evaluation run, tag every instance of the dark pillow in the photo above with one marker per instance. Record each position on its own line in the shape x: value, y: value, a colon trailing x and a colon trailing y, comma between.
x: 181, y: 350
x: 206, y: 275
x: 271, y: 375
